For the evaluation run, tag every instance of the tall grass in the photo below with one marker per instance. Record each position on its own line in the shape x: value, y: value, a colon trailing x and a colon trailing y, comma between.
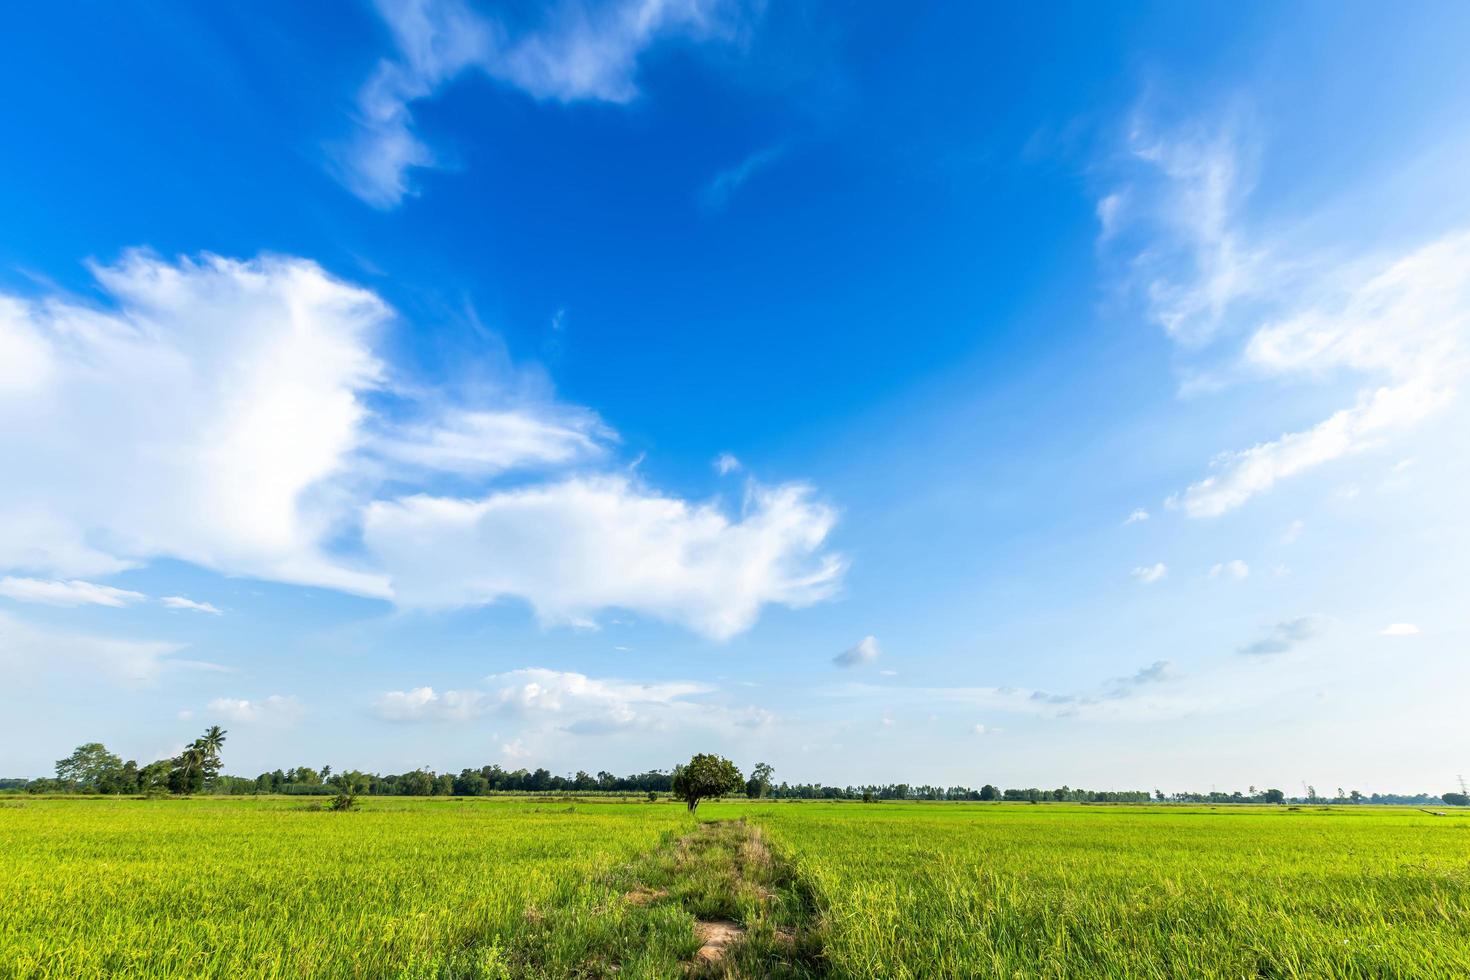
x: 1065, y: 891
x: 236, y: 888
x: 497, y: 888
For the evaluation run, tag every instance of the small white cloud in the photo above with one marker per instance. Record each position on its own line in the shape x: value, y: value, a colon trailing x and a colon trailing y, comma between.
x: 514, y: 749
x: 1138, y: 515
x: 74, y: 592
x: 981, y: 730
x: 1109, y: 213
x: 180, y: 602
x: 1293, y: 531
x: 866, y: 652
x: 1399, y: 629
x: 1284, y: 636
x: 1149, y: 574
x: 425, y: 704
x: 1235, y: 569
x: 275, y: 710
x: 726, y: 463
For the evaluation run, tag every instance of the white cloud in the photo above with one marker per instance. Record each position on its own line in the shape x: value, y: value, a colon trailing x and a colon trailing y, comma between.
x: 515, y: 749
x: 1293, y: 531
x: 982, y: 730
x: 1397, y: 325
x: 252, y: 392
x: 227, y: 394
x: 180, y: 602
x: 425, y: 704
x: 1139, y: 515
x: 1235, y: 569
x: 1109, y: 214
x: 1399, y: 629
x: 717, y: 193
x: 1149, y: 574
x: 565, y: 701
x: 1404, y: 325
x: 30, y: 650
x: 572, y: 52
x: 575, y: 548
x: 1200, y: 264
x: 726, y: 463
x: 865, y: 653
x: 276, y: 710
x: 483, y: 443
x: 66, y: 593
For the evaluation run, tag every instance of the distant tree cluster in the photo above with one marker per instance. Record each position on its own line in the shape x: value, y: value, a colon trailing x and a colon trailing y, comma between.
x: 91, y: 768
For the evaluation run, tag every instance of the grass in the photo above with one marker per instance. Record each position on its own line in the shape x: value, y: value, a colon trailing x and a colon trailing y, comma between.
x: 496, y: 888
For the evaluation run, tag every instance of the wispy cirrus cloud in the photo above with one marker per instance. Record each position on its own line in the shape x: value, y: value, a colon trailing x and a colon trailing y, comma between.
x: 1398, y: 323
x: 73, y: 592
x: 566, y: 51
x: 715, y: 196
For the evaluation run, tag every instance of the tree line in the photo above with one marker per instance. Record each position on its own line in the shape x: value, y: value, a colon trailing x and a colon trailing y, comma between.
x: 92, y: 768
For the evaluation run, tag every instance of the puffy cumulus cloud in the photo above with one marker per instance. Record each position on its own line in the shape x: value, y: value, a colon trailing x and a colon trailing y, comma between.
x: 865, y: 652
x: 566, y: 701
x: 195, y: 420
x: 576, y: 547
x: 567, y: 51
x: 726, y: 463
x: 1138, y: 516
x: 180, y: 602
x: 1149, y: 574
x: 1233, y: 569
x: 27, y: 650
x: 1285, y: 636
x: 235, y: 415
x: 66, y: 593
x: 277, y: 710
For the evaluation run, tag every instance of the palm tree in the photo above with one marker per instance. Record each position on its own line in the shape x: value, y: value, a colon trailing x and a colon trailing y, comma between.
x: 213, y: 740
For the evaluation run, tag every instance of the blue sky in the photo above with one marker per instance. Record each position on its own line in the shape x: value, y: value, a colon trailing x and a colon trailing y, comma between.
x: 951, y: 395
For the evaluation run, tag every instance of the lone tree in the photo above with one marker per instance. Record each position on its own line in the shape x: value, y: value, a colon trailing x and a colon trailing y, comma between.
x: 706, y: 776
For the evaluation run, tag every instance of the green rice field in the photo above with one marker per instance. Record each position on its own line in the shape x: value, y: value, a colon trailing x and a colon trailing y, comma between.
x: 484, y: 887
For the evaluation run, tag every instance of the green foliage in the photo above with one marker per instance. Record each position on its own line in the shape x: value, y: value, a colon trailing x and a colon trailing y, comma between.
x: 759, y: 783
x: 91, y: 769
x: 1456, y: 799
x: 706, y: 776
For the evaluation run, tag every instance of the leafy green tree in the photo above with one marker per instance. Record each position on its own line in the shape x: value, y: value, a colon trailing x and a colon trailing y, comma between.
x: 759, y: 783
x: 706, y: 776
x: 89, y: 767
x: 1272, y: 796
x: 1456, y: 799
x: 989, y: 792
